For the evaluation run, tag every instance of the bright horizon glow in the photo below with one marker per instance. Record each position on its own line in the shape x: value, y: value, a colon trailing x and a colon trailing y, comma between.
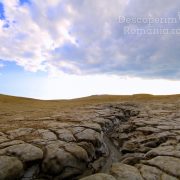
x: 78, y: 86
x: 74, y: 86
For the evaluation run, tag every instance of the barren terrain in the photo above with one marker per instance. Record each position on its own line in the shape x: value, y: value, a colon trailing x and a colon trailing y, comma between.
x: 94, y: 138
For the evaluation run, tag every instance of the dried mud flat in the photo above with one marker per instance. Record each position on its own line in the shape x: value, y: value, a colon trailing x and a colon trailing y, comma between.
x: 112, y: 139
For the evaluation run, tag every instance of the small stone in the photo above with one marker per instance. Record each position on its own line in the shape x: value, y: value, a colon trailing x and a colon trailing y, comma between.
x: 57, y: 159
x: 129, y: 147
x: 77, y: 151
x: 31, y: 172
x: 89, y: 149
x: 10, y: 168
x: 90, y: 136
x: 125, y: 172
x: 96, y: 165
x: 19, y: 132
x: 152, y: 173
x: 99, y: 176
x: 93, y: 126
x: 167, y: 164
x: 148, y: 130
x: 3, y: 139
x: 25, y: 152
x: 165, y: 151
x: 47, y: 135
x: 10, y: 143
x: 65, y: 135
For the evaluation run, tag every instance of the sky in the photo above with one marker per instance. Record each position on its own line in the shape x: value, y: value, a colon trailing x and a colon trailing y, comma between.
x: 63, y: 49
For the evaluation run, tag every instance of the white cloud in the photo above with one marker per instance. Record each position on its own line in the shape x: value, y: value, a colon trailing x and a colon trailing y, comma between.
x: 84, y: 37
x: 26, y: 41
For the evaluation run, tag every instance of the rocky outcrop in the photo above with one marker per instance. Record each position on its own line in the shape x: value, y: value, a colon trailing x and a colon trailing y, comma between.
x: 126, y: 141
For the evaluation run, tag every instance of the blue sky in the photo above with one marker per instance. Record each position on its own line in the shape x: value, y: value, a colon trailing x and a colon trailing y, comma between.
x: 73, y: 48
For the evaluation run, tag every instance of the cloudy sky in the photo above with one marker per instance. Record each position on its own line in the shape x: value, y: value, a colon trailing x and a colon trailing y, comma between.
x: 72, y: 48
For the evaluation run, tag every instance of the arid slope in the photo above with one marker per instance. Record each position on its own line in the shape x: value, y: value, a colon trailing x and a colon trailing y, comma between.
x: 112, y: 137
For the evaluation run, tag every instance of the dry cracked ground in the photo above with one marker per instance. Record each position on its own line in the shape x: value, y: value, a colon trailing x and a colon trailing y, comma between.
x: 95, y: 138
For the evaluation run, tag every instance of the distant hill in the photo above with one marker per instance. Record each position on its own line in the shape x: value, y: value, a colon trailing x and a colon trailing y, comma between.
x: 89, y: 99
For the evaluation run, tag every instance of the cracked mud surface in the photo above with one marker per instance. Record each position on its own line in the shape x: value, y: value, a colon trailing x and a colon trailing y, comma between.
x: 117, y: 140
